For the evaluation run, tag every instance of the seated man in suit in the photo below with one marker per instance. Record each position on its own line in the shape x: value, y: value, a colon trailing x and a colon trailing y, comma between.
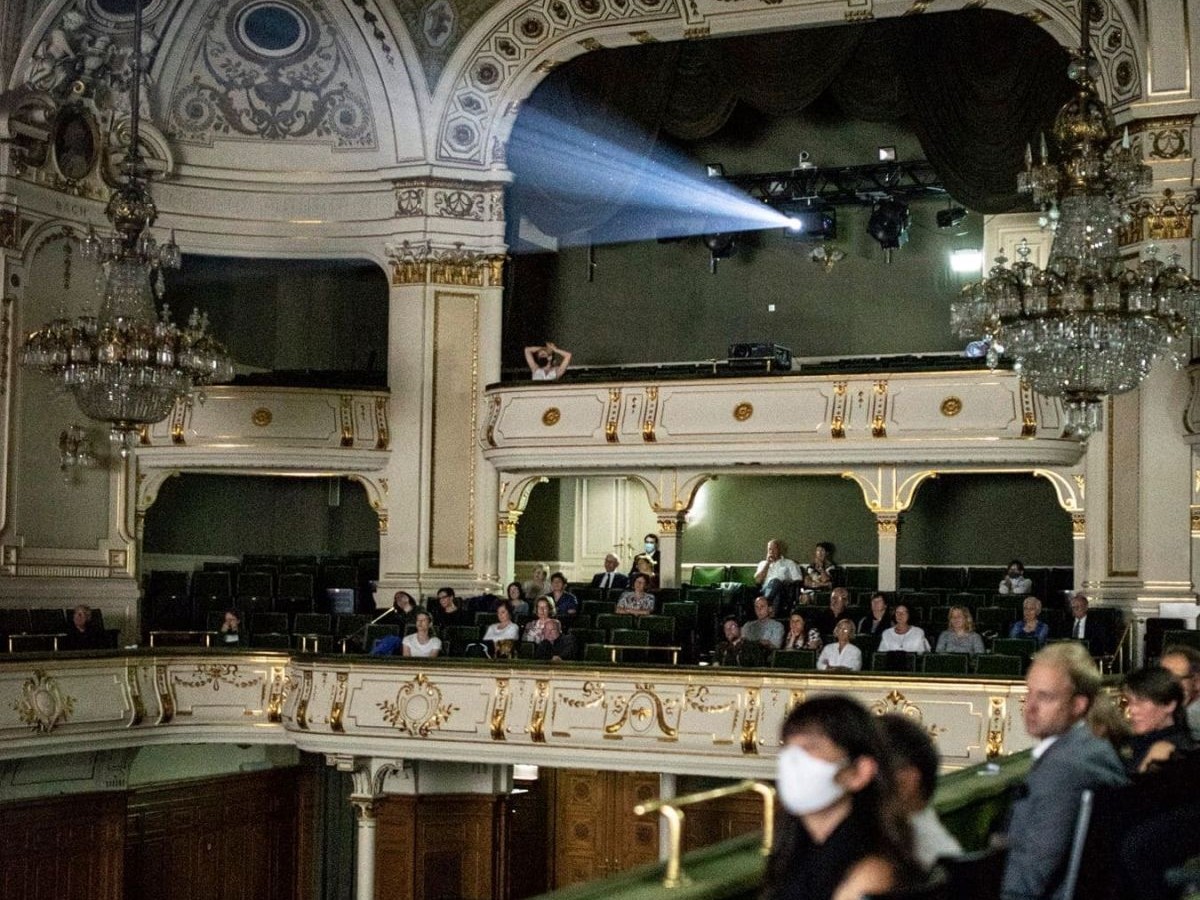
x: 1087, y: 629
x: 554, y: 645
x: 1062, y: 684
x: 83, y: 633
x: 610, y: 578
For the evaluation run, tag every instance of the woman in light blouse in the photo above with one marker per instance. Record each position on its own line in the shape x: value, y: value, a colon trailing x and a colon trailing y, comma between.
x: 842, y: 656
x: 960, y: 637
x: 1029, y: 625
x: 637, y: 602
x: 543, y: 610
x: 902, y: 635
x: 800, y: 636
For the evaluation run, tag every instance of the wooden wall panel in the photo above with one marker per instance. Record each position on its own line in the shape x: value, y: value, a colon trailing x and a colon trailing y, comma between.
x: 231, y: 838
x: 395, y: 840
x: 68, y: 849
x: 719, y: 820
x: 596, y: 833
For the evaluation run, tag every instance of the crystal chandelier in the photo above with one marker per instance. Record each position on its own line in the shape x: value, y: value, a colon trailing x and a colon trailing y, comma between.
x: 1086, y: 325
x: 124, y: 365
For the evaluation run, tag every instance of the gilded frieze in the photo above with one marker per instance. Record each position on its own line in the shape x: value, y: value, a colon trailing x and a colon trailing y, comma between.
x: 43, y: 705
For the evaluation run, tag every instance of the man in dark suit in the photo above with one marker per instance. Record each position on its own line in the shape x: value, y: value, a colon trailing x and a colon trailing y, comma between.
x: 1088, y: 628
x: 610, y: 578
x: 1068, y: 759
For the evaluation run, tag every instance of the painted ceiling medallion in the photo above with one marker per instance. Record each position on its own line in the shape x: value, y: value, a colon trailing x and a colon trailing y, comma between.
x: 43, y: 705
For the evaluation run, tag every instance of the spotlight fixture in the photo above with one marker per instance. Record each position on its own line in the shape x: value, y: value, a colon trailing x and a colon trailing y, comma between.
x: 721, y: 245
x: 714, y: 170
x: 950, y: 216
x: 889, y: 224
x: 887, y: 154
x: 810, y: 220
x: 967, y: 259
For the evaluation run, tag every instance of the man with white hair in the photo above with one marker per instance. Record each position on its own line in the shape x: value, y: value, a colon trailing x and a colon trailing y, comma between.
x: 610, y: 578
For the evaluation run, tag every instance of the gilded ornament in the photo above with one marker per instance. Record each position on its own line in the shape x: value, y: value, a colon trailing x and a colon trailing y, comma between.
x: 1079, y: 525
x: 743, y: 411
x: 896, y: 702
x: 951, y: 407
x: 337, y: 705
x: 640, y: 711
x: 551, y: 416
x: 537, y: 716
x: 695, y: 697
x: 500, y: 700
x: 43, y: 706
x: 214, y: 675
x: 261, y: 417
x: 750, y: 723
x: 418, y: 708
x: 995, y: 733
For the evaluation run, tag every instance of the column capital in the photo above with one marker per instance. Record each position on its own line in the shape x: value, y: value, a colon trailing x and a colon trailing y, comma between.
x: 368, y: 774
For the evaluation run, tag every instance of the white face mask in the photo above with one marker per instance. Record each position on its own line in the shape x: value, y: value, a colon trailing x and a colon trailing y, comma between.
x: 805, y: 783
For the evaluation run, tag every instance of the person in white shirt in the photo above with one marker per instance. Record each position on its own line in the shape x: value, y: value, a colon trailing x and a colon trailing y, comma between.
x: 842, y: 656
x: 915, y: 762
x: 902, y: 635
x: 1015, y: 582
x: 540, y: 360
x: 504, y: 629
x: 421, y: 643
x: 776, y: 570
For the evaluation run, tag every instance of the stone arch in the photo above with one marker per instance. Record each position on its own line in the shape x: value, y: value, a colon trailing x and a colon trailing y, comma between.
x: 508, y: 53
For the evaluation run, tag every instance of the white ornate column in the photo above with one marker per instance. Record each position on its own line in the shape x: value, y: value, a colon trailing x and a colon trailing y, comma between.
x: 514, y: 496
x: 368, y: 774
x: 444, y: 321
x: 889, y: 491
x: 671, y: 493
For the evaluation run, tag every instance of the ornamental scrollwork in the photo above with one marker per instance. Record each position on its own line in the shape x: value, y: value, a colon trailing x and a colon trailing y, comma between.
x: 896, y: 702
x: 641, y: 710
x: 214, y: 675
x: 593, y: 695
x: 695, y: 697
x: 289, y: 77
x: 43, y: 705
x: 418, y: 708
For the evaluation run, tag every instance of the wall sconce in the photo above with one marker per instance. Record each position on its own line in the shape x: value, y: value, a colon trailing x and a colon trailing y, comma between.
x: 75, y: 453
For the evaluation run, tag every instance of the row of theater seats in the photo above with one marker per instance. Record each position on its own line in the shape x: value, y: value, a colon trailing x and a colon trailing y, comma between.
x: 180, y: 600
x: 40, y: 630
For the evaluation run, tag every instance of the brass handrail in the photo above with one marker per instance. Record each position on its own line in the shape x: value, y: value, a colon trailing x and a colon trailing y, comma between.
x: 1116, y: 661
x: 672, y: 811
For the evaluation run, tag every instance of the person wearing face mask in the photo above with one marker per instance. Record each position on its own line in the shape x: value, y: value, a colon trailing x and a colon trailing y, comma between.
x: 541, y: 361
x: 845, y: 833
x: 649, y: 556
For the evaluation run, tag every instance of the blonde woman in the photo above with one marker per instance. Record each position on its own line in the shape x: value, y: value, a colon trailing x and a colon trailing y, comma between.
x: 960, y: 637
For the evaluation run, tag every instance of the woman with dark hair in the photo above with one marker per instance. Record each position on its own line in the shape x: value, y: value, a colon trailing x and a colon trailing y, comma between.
x: 543, y: 610
x: 515, y: 597
x: 637, y: 601
x: 1154, y: 703
x: 845, y: 833
x: 503, y: 633
x: 822, y: 573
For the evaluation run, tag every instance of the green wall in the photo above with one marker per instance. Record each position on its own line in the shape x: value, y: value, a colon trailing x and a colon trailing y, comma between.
x: 955, y: 520
x: 651, y: 301
x: 231, y: 515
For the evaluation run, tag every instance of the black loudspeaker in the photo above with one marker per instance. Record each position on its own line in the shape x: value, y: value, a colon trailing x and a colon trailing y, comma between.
x: 772, y: 357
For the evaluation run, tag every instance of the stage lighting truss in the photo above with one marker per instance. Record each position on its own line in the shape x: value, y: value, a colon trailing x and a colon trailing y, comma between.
x: 843, y: 185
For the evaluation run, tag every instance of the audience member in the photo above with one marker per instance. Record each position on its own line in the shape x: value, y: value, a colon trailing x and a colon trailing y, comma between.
x: 554, y: 645
x: 799, y: 636
x: 839, y: 599
x: 82, y: 634
x: 648, y: 554
x: 504, y: 628
x: 960, y: 637
x: 1088, y: 628
x: 230, y: 633
x: 841, y: 656
x: 763, y: 630
x: 776, y: 571
x: 736, y: 650
x: 880, y: 619
x: 566, y: 604
x: 915, y: 760
x: 610, y: 578
x: 636, y: 601
x: 1154, y: 704
x: 404, y: 609
x: 542, y: 361
x: 449, y: 612
x: 844, y: 834
x: 1029, y: 625
x: 1014, y: 580
x: 422, y: 642
x: 536, y: 585
x: 1061, y: 684
x: 903, y: 635
x: 543, y: 611
x: 1184, y: 663
x: 515, y: 596
x: 822, y: 572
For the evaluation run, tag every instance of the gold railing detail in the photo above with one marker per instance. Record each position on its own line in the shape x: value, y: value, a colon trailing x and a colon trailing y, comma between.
x: 672, y: 811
